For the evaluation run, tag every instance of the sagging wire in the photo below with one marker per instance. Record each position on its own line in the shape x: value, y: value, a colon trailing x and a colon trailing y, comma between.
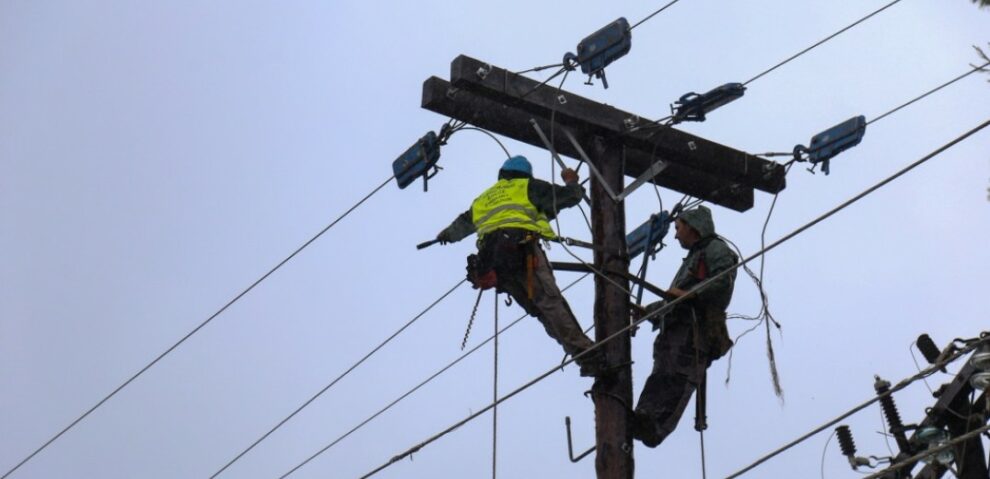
x: 824, y: 449
x: 704, y: 284
x: 917, y: 364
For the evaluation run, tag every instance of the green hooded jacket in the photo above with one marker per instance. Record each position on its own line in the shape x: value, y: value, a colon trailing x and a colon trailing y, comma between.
x: 707, y: 258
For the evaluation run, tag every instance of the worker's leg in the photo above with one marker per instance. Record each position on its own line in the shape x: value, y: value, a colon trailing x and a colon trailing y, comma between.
x: 555, y: 313
x: 677, y: 371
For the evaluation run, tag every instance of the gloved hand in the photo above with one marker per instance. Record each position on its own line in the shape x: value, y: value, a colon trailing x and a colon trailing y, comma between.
x: 569, y: 176
x: 444, y: 237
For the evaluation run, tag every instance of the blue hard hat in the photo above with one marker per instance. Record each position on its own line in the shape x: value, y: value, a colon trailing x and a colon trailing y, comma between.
x: 518, y: 163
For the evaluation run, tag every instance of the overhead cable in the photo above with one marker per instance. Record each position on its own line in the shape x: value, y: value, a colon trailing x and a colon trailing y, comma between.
x: 928, y: 452
x: 812, y: 47
x: 929, y: 92
x: 337, y: 379
x: 670, y: 305
x: 932, y: 369
x: 653, y: 14
x: 195, y: 330
x: 418, y: 386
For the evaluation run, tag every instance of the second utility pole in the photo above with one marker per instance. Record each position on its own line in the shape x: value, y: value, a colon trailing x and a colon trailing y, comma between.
x: 612, y: 392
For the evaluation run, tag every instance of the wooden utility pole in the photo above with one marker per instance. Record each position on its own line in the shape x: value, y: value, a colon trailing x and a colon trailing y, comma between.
x: 612, y: 392
x: 618, y: 144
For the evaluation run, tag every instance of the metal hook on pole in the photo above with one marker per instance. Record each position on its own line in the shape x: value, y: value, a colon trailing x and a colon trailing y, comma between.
x: 570, y: 446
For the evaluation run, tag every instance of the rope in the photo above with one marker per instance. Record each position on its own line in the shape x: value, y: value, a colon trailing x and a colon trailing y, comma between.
x: 668, y: 306
x: 337, y: 379
x: 417, y: 387
x: 194, y: 331
x: 901, y: 385
x: 495, y: 394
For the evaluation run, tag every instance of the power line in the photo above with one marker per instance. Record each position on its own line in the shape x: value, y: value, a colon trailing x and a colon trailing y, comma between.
x: 901, y: 385
x: 337, y: 379
x: 417, y: 387
x: 812, y: 47
x: 935, y: 450
x: 669, y: 305
x: 653, y: 14
x: 194, y: 330
x: 929, y: 92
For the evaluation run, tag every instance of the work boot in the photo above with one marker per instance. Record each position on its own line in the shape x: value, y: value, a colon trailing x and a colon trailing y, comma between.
x: 645, y: 429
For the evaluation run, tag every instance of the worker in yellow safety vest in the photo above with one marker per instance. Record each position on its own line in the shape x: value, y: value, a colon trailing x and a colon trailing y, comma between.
x: 510, y: 218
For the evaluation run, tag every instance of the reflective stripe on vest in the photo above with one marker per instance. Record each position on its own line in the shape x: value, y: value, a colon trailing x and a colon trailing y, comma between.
x: 507, y: 205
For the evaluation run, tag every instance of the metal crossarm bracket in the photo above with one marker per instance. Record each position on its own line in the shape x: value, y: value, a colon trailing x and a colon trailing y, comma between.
x: 591, y: 166
x: 647, y: 175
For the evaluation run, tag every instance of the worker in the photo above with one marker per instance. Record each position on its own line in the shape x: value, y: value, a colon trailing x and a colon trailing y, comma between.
x: 510, y: 219
x: 693, y: 333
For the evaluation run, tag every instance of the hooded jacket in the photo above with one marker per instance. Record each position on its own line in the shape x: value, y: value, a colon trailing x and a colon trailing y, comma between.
x: 706, y: 258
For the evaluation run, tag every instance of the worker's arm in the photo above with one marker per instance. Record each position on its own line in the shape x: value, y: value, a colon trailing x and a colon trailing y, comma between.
x: 461, y: 228
x: 542, y: 194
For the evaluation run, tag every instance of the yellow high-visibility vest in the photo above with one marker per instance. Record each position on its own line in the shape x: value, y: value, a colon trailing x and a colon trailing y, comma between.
x: 507, y: 205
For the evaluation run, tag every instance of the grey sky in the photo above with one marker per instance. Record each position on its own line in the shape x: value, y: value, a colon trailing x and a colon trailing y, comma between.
x: 158, y: 157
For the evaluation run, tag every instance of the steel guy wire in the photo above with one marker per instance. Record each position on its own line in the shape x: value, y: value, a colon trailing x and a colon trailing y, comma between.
x: 899, y: 386
x: 417, y: 387
x: 812, y: 47
x: 929, y: 92
x: 338, y: 378
x: 196, y: 329
x: 671, y: 304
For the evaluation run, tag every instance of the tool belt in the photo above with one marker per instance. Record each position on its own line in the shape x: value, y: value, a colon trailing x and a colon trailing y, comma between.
x: 505, y: 252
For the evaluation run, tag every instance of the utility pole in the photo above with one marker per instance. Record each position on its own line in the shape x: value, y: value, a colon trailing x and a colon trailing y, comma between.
x: 612, y: 393
x: 617, y: 144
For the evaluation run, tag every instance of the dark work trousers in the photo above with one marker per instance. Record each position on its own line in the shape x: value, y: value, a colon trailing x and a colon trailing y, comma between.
x: 547, y: 303
x: 678, y: 368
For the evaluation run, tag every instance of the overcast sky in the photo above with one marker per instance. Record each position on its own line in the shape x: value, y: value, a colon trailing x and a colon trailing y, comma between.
x: 159, y: 157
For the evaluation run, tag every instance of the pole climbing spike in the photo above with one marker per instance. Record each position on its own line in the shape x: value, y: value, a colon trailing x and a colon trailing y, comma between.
x: 829, y: 143
x: 693, y: 107
x: 600, y: 49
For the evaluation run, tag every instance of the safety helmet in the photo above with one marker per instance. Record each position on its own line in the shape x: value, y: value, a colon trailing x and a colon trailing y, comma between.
x: 518, y: 163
